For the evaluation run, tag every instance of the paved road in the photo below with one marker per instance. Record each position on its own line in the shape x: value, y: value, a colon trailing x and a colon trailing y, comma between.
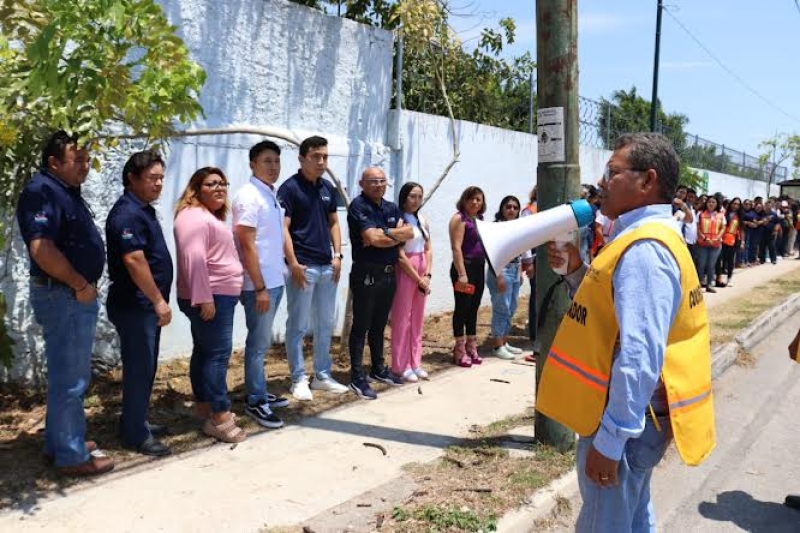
x: 742, y: 486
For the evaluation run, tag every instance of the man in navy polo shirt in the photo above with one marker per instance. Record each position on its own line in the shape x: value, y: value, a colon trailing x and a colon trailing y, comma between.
x: 140, y: 268
x: 66, y: 260
x: 311, y: 228
x: 376, y: 231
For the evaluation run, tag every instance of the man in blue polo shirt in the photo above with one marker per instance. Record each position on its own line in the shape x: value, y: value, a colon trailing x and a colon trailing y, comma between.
x: 140, y: 268
x: 376, y: 231
x: 66, y: 260
x: 311, y: 228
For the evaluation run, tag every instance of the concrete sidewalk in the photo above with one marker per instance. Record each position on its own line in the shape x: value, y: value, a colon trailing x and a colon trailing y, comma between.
x: 287, y: 476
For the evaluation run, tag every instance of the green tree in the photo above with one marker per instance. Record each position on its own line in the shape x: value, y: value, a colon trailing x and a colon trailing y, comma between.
x: 627, y: 112
x: 96, y: 68
x: 777, y: 151
x: 481, y: 86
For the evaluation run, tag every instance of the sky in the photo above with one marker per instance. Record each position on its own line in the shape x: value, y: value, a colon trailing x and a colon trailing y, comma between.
x: 758, y: 42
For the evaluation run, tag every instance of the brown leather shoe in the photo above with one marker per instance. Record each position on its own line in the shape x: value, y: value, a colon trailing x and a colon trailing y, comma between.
x: 90, y: 447
x: 95, y: 466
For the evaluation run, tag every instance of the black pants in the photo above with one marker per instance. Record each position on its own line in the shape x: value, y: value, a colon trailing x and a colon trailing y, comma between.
x: 465, y: 315
x: 767, y: 244
x: 373, y: 289
x: 727, y: 260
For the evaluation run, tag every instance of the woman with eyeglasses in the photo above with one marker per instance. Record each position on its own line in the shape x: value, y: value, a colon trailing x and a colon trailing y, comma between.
x: 504, y: 287
x: 710, y: 228
x: 467, y: 274
x: 413, y: 286
x: 209, y: 285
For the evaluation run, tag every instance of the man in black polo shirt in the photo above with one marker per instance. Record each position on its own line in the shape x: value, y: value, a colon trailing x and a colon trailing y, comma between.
x: 66, y: 260
x: 311, y: 229
x: 140, y: 268
x: 376, y: 231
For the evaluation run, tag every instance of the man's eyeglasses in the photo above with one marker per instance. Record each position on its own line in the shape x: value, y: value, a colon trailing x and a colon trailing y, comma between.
x: 215, y: 185
x: 375, y: 182
x: 609, y: 173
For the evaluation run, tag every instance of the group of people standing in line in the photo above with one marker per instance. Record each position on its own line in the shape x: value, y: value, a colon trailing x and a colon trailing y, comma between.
x: 280, y: 240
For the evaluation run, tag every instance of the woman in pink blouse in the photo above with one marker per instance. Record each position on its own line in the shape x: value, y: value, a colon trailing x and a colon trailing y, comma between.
x: 209, y: 285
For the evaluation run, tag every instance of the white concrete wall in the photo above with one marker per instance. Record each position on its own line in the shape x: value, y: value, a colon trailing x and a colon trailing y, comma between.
x: 269, y: 63
x: 732, y: 186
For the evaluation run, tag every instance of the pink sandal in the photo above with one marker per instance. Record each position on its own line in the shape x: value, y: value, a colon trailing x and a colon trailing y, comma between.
x: 227, y: 431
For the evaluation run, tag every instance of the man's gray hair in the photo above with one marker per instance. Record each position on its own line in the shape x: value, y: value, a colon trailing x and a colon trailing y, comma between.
x: 653, y: 150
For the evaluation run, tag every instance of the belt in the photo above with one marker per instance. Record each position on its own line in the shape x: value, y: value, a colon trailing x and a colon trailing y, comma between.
x: 474, y: 261
x: 47, y: 281
x: 376, y: 267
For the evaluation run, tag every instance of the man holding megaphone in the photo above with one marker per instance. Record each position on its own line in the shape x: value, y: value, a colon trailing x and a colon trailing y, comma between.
x: 630, y: 367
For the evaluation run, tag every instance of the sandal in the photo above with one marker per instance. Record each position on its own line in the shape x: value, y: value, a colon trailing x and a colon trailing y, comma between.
x: 227, y: 431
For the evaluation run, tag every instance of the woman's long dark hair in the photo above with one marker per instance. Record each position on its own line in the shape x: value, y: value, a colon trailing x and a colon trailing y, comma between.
x: 498, y: 217
x: 405, y: 190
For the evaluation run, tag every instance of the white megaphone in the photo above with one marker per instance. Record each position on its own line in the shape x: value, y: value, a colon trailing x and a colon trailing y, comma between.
x: 503, y: 241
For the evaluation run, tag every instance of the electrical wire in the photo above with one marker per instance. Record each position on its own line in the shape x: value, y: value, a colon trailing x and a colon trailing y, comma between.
x: 735, y: 76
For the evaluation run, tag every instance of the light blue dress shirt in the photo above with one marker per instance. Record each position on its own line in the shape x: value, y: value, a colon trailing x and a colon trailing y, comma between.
x: 647, y: 294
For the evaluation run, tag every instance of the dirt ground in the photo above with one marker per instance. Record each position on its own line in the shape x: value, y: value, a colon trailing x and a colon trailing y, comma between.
x: 23, y: 472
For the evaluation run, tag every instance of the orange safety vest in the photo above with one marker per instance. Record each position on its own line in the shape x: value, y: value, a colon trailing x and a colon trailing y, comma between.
x: 731, y: 232
x: 710, y: 225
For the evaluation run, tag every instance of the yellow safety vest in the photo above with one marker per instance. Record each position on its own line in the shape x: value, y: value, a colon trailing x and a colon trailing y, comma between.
x: 576, y: 375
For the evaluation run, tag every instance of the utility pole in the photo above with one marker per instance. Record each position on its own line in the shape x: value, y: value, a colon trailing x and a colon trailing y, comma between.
x: 654, y: 101
x: 558, y: 173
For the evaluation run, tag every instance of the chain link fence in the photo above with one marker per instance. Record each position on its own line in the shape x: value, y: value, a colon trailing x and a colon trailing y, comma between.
x: 602, y: 122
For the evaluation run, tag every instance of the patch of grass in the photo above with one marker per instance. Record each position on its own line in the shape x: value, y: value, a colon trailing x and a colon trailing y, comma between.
x: 745, y: 359
x: 727, y: 320
x: 447, y: 518
x: 478, y: 475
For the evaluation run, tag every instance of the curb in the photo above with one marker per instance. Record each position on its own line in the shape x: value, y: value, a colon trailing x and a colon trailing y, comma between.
x: 544, y: 500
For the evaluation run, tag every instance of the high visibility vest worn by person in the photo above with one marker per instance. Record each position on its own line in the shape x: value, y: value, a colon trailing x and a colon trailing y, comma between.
x: 576, y: 376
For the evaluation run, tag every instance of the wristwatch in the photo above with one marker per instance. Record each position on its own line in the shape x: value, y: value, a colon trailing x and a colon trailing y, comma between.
x: 338, y: 256
x: 386, y: 232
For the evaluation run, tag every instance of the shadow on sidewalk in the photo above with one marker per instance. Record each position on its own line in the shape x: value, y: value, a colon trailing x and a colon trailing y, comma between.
x: 405, y: 436
x: 741, y: 509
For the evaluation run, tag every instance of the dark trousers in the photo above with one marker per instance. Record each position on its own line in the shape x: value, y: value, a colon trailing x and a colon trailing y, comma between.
x: 139, y: 337
x: 465, y: 314
x: 767, y: 245
x: 727, y: 260
x: 373, y: 293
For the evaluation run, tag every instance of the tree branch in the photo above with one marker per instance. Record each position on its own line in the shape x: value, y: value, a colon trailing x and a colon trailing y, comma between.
x: 456, y: 150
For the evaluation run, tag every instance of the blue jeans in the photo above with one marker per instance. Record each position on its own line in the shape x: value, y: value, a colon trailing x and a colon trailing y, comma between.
x: 626, y: 508
x: 211, y: 352
x: 504, y: 304
x: 68, y: 327
x: 139, y: 337
x: 259, y: 340
x: 318, y: 295
x: 706, y: 258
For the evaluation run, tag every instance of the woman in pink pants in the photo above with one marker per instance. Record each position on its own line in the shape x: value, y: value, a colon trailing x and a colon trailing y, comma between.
x: 413, y: 286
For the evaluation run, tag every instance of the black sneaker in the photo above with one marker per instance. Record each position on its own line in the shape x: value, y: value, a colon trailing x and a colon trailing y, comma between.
x: 276, y: 401
x: 262, y: 414
x: 385, y: 376
x: 363, y: 390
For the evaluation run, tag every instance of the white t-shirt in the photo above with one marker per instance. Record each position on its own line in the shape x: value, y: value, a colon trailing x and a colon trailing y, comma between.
x: 256, y: 206
x: 690, y: 228
x: 417, y: 243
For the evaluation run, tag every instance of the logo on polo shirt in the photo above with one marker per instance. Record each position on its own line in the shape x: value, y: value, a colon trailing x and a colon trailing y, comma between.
x: 127, y: 234
x: 326, y: 199
x: 392, y: 221
x: 41, y: 218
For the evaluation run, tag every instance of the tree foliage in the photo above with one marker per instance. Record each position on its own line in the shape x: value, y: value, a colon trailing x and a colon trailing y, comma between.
x: 777, y: 151
x: 90, y: 67
x: 96, y: 68
x: 482, y: 85
x: 627, y: 112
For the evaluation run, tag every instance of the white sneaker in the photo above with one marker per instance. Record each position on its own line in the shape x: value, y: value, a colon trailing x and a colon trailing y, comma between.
x: 502, y: 353
x: 328, y: 385
x: 513, y: 349
x: 410, y: 377
x: 421, y: 374
x: 300, y: 391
